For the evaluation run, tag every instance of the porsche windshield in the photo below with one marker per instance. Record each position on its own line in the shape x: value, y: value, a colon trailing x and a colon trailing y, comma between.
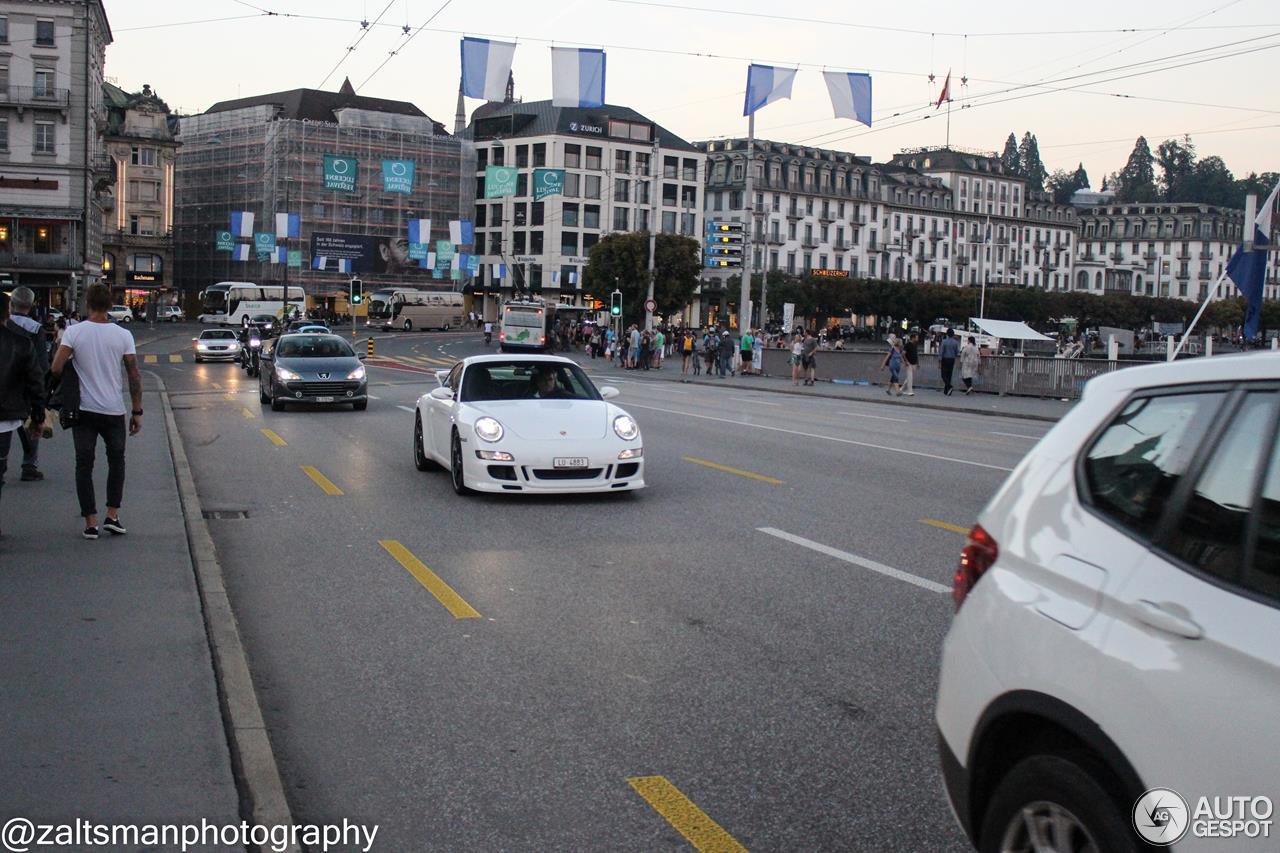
x: 526, y: 380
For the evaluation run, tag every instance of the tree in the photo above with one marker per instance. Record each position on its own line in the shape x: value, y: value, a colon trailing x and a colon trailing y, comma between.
x: 622, y: 261
x: 1137, y: 180
x: 1010, y: 159
x: 1211, y: 182
x: 1177, y: 162
x: 1081, y: 177
x: 1259, y: 185
x: 1032, y: 169
x: 1062, y: 184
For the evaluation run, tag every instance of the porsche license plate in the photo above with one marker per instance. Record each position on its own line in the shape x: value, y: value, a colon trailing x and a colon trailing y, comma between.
x: 570, y: 462
x: 324, y: 399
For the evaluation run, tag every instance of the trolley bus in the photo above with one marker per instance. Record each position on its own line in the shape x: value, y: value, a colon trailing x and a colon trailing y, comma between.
x: 232, y: 303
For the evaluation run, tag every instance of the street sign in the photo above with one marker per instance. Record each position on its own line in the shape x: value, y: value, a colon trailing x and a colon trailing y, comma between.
x: 650, y: 305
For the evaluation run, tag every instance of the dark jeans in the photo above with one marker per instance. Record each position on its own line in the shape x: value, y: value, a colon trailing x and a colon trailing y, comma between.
x: 6, y: 439
x: 86, y: 432
x: 948, y: 370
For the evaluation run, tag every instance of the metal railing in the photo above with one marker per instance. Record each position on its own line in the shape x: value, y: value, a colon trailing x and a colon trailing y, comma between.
x: 35, y: 96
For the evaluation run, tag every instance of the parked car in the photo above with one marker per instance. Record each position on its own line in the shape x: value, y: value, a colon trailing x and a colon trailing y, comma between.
x: 1118, y: 617
x: 120, y: 313
x: 171, y: 313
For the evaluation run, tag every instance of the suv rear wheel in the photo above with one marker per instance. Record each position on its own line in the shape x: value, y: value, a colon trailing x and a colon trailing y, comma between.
x: 1055, y: 803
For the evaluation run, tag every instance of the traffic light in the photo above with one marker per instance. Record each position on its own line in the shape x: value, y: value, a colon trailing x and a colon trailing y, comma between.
x: 724, y: 244
x: 615, y: 304
x: 357, y: 291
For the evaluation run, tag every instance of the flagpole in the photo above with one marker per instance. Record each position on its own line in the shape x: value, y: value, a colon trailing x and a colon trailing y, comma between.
x: 948, y: 145
x: 744, y: 300
x: 1196, y: 319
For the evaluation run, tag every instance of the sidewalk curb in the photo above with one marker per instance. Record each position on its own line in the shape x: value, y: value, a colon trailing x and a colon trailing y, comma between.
x: 262, y: 797
x: 827, y: 396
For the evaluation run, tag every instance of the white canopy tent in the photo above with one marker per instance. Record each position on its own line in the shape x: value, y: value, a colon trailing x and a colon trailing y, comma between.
x: 1009, y: 330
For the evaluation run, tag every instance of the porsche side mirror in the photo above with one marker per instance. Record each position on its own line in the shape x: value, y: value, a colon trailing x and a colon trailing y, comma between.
x: 608, y: 392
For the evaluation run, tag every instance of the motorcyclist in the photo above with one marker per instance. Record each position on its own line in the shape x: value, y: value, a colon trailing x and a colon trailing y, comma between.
x: 488, y: 332
x: 251, y: 348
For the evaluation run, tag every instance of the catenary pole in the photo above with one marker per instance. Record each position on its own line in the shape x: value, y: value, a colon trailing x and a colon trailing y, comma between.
x: 744, y: 299
x: 653, y: 227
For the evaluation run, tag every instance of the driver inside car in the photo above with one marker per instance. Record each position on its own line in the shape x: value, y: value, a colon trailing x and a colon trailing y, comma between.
x: 544, y: 384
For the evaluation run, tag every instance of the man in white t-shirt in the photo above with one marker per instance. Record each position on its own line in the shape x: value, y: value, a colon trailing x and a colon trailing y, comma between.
x: 96, y: 349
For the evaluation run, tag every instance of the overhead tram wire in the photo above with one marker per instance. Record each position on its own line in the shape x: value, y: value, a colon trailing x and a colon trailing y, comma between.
x: 912, y: 31
x: 405, y: 43
x: 365, y: 29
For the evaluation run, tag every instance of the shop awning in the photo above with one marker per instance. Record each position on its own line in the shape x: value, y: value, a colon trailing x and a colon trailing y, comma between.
x: 1009, y: 330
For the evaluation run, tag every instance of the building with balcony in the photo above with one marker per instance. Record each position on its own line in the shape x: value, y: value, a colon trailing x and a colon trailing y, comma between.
x: 52, y: 169
x: 1170, y: 250
x: 267, y: 154
x: 623, y: 173
x: 137, y: 243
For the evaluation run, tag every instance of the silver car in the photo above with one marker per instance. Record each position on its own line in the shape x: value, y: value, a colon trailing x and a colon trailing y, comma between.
x: 216, y: 345
x: 312, y: 368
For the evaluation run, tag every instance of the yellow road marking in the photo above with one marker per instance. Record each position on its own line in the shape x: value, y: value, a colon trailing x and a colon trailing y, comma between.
x: 275, y: 439
x: 729, y: 470
x: 690, y: 821
x: 175, y: 359
x: 230, y: 395
x: 246, y: 412
x: 944, y: 525
x: 149, y: 359
x: 322, y: 481
x: 216, y: 386
x: 444, y: 593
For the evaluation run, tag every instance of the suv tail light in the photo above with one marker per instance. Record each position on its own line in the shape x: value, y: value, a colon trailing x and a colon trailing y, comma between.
x: 979, y: 553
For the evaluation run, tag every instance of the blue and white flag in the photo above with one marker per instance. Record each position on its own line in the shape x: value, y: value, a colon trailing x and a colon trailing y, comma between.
x: 766, y: 84
x: 241, y: 251
x: 573, y: 277
x: 288, y: 225
x: 419, y: 230
x: 242, y: 223
x: 1249, y: 269
x: 498, y: 271
x: 555, y: 276
x: 850, y: 95
x: 486, y: 65
x: 461, y: 232
x: 318, y: 262
x: 577, y: 77
x: 281, y: 255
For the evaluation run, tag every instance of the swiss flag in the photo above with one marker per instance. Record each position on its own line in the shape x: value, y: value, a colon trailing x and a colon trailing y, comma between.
x: 946, y: 91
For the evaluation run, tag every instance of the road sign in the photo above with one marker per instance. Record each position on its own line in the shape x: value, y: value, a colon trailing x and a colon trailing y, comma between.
x: 650, y: 305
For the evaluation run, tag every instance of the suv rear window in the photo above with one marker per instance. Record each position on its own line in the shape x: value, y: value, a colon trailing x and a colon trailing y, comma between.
x: 1134, y: 466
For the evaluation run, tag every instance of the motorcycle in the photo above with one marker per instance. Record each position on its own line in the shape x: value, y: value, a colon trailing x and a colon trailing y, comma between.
x: 253, y: 360
x: 488, y: 338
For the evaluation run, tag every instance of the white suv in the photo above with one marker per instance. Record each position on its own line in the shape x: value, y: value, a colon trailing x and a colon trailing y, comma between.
x: 120, y: 314
x: 1118, y: 624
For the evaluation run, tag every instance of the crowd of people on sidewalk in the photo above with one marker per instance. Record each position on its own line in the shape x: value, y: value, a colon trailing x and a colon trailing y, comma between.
x: 77, y: 373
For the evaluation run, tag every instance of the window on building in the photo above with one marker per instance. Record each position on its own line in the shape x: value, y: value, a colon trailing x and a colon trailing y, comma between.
x: 539, y: 154
x: 42, y: 240
x: 535, y: 243
x: 688, y: 224
x: 591, y: 186
x: 572, y: 182
x: 4, y: 134
x: 690, y: 171
x: 142, y: 156
x: 570, y: 215
x: 4, y: 30
x: 519, y: 240
x: 622, y: 161
x: 44, y: 33
x: 498, y: 155
x: 791, y: 263
x: 522, y: 185
x: 44, y: 140
x: 642, y: 163
x: 572, y: 156
x: 621, y: 219
x: 642, y: 192
x: 593, y: 158
x: 591, y: 216
x: 642, y: 219
x: 42, y: 79
x: 146, y: 263
x: 621, y: 190
x: 668, y: 222
x: 569, y: 243
x: 522, y: 156
x: 520, y: 215
x: 670, y: 165
x: 669, y: 195
x: 495, y: 216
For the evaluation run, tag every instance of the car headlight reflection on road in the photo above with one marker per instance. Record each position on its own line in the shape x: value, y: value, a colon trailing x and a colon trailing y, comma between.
x: 626, y: 428
x: 358, y: 373
x: 286, y: 373
x: 487, y: 429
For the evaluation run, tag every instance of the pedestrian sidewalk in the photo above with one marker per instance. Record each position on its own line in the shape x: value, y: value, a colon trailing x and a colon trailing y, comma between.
x: 1029, y: 408
x: 107, y: 689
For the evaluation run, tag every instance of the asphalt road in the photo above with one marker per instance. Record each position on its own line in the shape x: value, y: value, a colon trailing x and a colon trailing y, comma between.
x: 759, y: 629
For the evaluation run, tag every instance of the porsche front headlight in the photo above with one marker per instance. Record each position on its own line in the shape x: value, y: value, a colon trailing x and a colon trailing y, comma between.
x: 488, y: 429
x: 626, y: 428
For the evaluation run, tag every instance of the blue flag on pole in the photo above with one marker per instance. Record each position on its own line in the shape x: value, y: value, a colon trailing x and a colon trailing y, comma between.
x: 850, y: 95
x: 766, y: 84
x: 486, y: 65
x: 577, y: 77
x: 242, y: 223
x: 1249, y: 269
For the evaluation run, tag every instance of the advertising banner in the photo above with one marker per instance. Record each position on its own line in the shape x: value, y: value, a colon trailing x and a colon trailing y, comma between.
x: 397, y: 176
x: 264, y: 245
x: 225, y: 241
x: 340, y: 173
x: 788, y: 315
x: 444, y: 250
x: 547, y: 182
x: 499, y: 181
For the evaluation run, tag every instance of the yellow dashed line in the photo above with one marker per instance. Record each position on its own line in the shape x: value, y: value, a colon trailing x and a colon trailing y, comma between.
x: 690, y: 821
x: 444, y: 593
x: 729, y: 470
x: 246, y: 412
x: 275, y: 439
x: 175, y: 359
x: 945, y: 525
x: 325, y: 484
x: 149, y: 359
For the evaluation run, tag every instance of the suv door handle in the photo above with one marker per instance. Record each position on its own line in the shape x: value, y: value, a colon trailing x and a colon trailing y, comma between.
x: 1150, y: 613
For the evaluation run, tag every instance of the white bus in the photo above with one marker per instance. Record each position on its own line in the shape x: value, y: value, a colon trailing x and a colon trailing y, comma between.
x: 232, y: 303
x: 525, y: 325
x: 409, y: 308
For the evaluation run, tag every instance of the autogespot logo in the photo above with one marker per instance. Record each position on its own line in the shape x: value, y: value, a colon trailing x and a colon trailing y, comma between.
x: 1160, y: 816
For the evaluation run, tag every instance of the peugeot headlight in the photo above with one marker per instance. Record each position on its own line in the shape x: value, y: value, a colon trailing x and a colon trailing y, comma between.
x: 626, y: 428
x: 487, y: 429
x: 358, y: 373
x: 286, y: 373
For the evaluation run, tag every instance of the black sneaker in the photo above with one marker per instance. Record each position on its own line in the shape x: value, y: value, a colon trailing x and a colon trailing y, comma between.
x: 114, y: 526
x: 90, y: 533
x: 29, y: 474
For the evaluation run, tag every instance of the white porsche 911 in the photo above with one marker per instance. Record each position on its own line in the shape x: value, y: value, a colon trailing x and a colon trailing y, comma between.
x: 526, y: 424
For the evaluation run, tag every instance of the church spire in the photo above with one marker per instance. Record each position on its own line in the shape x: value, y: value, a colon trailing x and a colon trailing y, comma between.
x: 460, y: 117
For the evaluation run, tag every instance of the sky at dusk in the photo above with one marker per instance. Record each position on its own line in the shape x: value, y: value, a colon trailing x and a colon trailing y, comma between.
x: 684, y: 65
